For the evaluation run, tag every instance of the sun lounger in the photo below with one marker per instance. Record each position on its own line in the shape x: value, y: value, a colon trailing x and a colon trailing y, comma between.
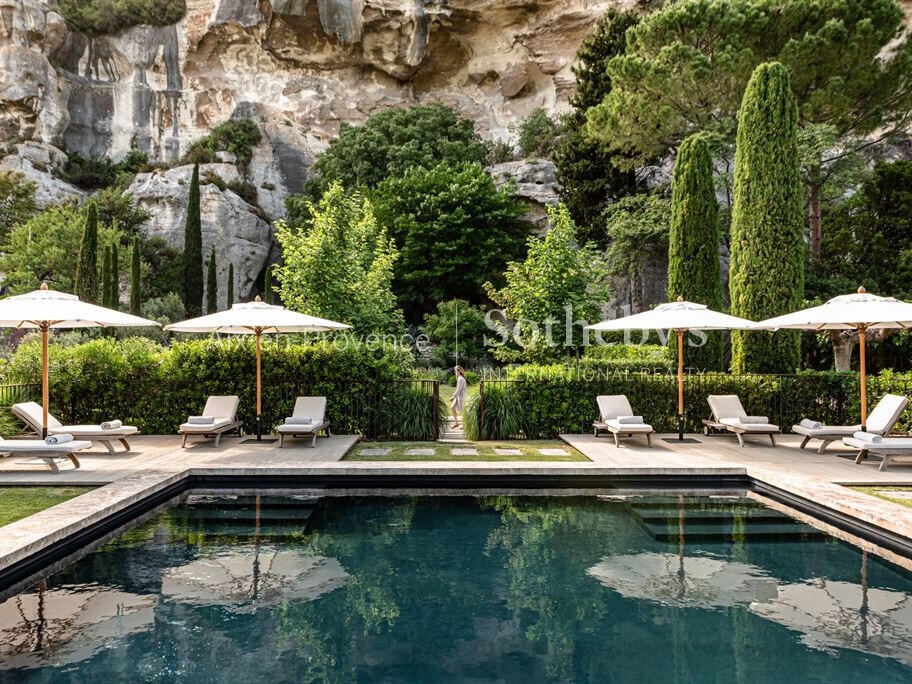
x: 221, y: 414
x: 729, y: 415
x: 887, y: 448
x: 880, y: 421
x: 297, y: 425
x: 49, y: 453
x: 29, y: 412
x: 617, y: 417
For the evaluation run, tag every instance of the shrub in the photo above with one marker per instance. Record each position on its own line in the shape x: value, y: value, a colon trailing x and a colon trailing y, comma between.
x: 502, y: 417
x: 17, y: 200
x: 238, y: 136
x: 457, y: 327
x: 99, y: 17
x: 155, y: 388
x: 499, y: 152
x: 88, y: 173
x: 538, y: 134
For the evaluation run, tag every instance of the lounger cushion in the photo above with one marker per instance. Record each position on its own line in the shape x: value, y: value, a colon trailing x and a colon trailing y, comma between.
x: 221, y: 406
x: 887, y: 444
x: 206, y: 429
x: 613, y: 406
x: 310, y: 407
x: 21, y: 446
x: 31, y: 414
x: 726, y: 406
x: 296, y: 429
x: 827, y: 430
x: 750, y: 427
x: 613, y: 424
x: 93, y: 431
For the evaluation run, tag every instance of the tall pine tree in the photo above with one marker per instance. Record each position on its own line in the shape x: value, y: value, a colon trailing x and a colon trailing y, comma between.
x: 693, y: 245
x: 87, y: 267
x: 135, y: 285
x: 106, y: 278
x: 193, y: 250
x: 268, y: 292
x: 766, y: 275
x: 230, y: 285
x: 114, y: 285
x: 211, y: 285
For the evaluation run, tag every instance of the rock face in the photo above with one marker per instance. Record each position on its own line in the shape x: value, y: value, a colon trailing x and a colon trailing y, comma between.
x: 38, y: 162
x: 536, y: 184
x: 240, y: 236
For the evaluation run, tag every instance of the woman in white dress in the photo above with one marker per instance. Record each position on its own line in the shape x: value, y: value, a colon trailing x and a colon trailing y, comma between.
x: 458, y: 395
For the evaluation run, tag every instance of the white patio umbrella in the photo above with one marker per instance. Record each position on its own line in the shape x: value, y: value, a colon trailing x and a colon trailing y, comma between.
x: 679, y: 316
x: 256, y: 317
x: 45, y: 309
x: 859, y: 311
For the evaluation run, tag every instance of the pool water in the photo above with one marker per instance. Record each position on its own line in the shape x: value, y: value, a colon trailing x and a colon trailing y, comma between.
x: 438, y: 589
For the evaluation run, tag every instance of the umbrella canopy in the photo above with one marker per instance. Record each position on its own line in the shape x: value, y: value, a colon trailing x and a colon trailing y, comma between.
x: 45, y: 309
x: 684, y: 581
x: 243, y: 581
x: 256, y: 317
x: 859, y: 311
x: 64, y: 626
x: 679, y: 316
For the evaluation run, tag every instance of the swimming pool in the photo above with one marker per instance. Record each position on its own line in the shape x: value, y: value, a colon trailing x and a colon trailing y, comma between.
x: 420, y: 588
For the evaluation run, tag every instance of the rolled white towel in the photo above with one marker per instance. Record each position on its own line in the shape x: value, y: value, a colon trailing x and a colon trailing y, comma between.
x: 298, y: 420
x: 201, y: 420
x: 111, y: 425
x: 630, y: 420
x: 810, y: 424
x: 754, y: 420
x: 868, y: 437
x: 58, y: 439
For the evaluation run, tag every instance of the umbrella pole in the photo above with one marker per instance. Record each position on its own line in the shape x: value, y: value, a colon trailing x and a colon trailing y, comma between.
x: 864, y: 381
x: 680, y: 384
x: 259, y: 424
x: 44, y: 379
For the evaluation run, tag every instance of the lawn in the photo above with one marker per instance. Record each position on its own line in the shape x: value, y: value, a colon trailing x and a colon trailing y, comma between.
x: 19, y: 502
x: 442, y: 451
x: 888, y: 493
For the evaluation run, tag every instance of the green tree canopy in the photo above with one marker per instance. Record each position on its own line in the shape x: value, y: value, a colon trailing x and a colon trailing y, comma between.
x: 686, y: 66
x: 766, y: 273
x: 557, y: 273
x: 17, y: 200
x: 586, y: 170
x: 454, y: 230
x: 393, y: 141
x: 693, y: 244
x: 339, y: 264
x: 86, y: 284
x: 457, y: 330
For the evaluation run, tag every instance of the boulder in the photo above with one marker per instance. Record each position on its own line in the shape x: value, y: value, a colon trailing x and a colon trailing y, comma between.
x: 536, y: 184
x: 38, y: 162
x: 241, y: 237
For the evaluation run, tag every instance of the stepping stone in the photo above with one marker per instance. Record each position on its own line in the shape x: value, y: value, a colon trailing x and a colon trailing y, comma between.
x: 420, y: 451
x: 553, y: 452
x: 464, y: 451
x: 508, y: 452
x: 375, y: 451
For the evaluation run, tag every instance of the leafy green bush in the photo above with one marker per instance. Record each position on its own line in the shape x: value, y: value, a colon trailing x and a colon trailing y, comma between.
x: 155, y: 388
x: 471, y: 378
x: 100, y: 17
x: 457, y: 326
x: 501, y: 417
x: 538, y: 134
x: 93, y: 173
x: 238, y: 136
x: 408, y: 413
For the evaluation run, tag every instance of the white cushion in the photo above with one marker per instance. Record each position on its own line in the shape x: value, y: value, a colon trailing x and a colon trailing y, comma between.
x: 613, y: 405
x: 203, y: 429
x: 627, y: 427
x: 13, y: 446
x: 749, y: 427
x: 313, y: 407
x: 884, y: 416
x: 221, y: 406
x: 726, y: 406
x: 887, y: 444
x: 300, y: 429
x: 93, y: 431
x: 827, y: 430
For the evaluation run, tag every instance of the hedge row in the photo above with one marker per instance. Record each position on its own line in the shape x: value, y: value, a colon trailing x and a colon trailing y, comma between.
x: 370, y: 390
x: 540, y: 403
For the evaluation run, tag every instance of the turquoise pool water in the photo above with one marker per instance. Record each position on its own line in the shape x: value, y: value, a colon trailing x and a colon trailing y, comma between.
x: 440, y: 589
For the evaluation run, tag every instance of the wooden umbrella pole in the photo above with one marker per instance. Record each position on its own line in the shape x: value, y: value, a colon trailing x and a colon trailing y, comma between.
x: 44, y: 379
x: 259, y: 398
x: 680, y: 384
x: 864, y: 380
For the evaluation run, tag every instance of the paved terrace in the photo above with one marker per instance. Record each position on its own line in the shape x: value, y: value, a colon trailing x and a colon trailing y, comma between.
x: 158, y: 461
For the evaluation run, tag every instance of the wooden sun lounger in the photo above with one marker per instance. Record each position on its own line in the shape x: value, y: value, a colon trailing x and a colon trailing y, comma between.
x: 726, y: 414
x: 30, y: 413
x: 223, y: 409
x: 49, y: 453
x: 880, y: 422
x: 611, y: 407
x: 310, y: 407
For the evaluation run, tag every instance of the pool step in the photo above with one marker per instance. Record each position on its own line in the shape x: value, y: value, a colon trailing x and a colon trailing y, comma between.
x: 727, y: 533
x: 216, y: 515
x: 722, y: 516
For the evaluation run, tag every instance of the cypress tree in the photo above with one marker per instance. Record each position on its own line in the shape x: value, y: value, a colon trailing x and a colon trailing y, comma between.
x: 135, y: 295
x: 230, y: 285
x: 767, y: 231
x: 87, y: 267
x: 211, y: 285
x: 193, y: 250
x: 693, y: 245
x: 267, y: 286
x: 106, y: 278
x: 114, y: 286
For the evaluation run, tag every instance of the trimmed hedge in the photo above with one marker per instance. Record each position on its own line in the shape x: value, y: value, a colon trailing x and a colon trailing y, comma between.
x: 549, y: 401
x: 369, y: 389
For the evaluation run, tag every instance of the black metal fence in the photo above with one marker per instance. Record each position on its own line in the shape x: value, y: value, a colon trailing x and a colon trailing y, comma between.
x: 550, y: 406
x: 407, y: 409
